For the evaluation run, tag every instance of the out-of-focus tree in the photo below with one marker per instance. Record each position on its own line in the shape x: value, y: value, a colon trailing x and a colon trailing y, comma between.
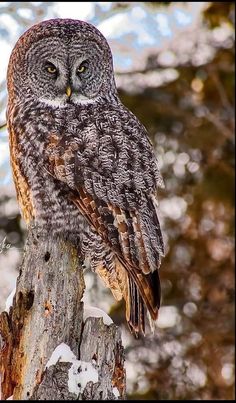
x: 183, y: 91
x: 192, y: 122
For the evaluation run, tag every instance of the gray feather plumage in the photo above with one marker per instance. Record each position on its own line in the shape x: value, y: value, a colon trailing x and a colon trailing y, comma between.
x: 90, y: 141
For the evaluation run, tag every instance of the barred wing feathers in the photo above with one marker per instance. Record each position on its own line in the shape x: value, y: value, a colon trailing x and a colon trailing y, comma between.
x: 112, y: 174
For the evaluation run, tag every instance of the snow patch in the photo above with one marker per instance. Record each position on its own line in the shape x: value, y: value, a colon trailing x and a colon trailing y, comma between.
x: 91, y: 311
x: 10, y: 398
x: 116, y: 392
x: 80, y: 372
x: 61, y: 353
x: 9, y: 300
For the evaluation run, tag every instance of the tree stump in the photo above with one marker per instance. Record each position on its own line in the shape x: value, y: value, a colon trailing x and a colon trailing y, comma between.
x: 47, y: 351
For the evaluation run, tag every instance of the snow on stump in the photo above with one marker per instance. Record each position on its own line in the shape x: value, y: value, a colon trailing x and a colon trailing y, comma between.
x: 50, y: 349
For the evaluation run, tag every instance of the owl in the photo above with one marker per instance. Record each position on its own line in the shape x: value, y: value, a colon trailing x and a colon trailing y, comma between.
x: 82, y: 163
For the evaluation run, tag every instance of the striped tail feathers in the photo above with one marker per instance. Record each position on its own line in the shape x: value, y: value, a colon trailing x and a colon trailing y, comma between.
x: 135, y: 314
x: 137, y: 309
x: 123, y: 287
x: 139, y: 292
x: 143, y: 291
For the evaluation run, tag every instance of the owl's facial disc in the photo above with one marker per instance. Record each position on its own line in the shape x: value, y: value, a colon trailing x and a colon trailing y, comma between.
x: 61, y: 73
x: 61, y: 62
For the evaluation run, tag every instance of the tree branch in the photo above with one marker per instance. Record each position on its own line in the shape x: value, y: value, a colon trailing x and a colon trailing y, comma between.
x: 3, y: 126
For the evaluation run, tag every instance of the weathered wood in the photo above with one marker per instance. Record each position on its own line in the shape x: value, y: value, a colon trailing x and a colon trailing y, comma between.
x: 47, y: 311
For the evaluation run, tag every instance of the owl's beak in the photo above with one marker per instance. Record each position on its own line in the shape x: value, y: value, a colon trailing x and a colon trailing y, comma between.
x: 68, y: 91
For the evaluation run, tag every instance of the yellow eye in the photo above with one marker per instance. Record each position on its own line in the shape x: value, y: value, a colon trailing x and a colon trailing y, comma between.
x: 51, y: 69
x: 81, y: 68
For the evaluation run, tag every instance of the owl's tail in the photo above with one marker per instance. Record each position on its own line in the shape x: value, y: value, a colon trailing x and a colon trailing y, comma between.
x: 145, y: 296
x: 140, y: 291
x: 135, y: 314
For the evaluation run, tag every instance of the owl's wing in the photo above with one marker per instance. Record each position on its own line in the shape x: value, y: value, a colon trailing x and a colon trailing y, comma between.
x: 111, y: 171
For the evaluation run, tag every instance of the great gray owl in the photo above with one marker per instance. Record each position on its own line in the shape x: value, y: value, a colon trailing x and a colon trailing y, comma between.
x: 82, y: 162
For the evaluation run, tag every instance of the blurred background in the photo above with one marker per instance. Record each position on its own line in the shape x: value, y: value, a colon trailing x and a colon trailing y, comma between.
x: 174, y: 65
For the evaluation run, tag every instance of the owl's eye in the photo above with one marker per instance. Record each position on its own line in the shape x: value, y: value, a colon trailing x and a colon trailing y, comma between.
x: 82, y: 68
x: 50, y: 68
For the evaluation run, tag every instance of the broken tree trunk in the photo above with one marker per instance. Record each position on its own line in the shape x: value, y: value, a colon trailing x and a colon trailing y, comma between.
x: 47, y: 312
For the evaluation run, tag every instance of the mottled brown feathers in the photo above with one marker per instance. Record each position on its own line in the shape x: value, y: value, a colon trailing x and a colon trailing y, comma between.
x: 82, y: 162
x: 22, y: 187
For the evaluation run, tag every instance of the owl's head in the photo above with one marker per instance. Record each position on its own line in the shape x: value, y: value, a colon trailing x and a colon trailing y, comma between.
x: 61, y: 61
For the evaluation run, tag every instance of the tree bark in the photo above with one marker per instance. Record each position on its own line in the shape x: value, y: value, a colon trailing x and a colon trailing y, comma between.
x: 47, y: 311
